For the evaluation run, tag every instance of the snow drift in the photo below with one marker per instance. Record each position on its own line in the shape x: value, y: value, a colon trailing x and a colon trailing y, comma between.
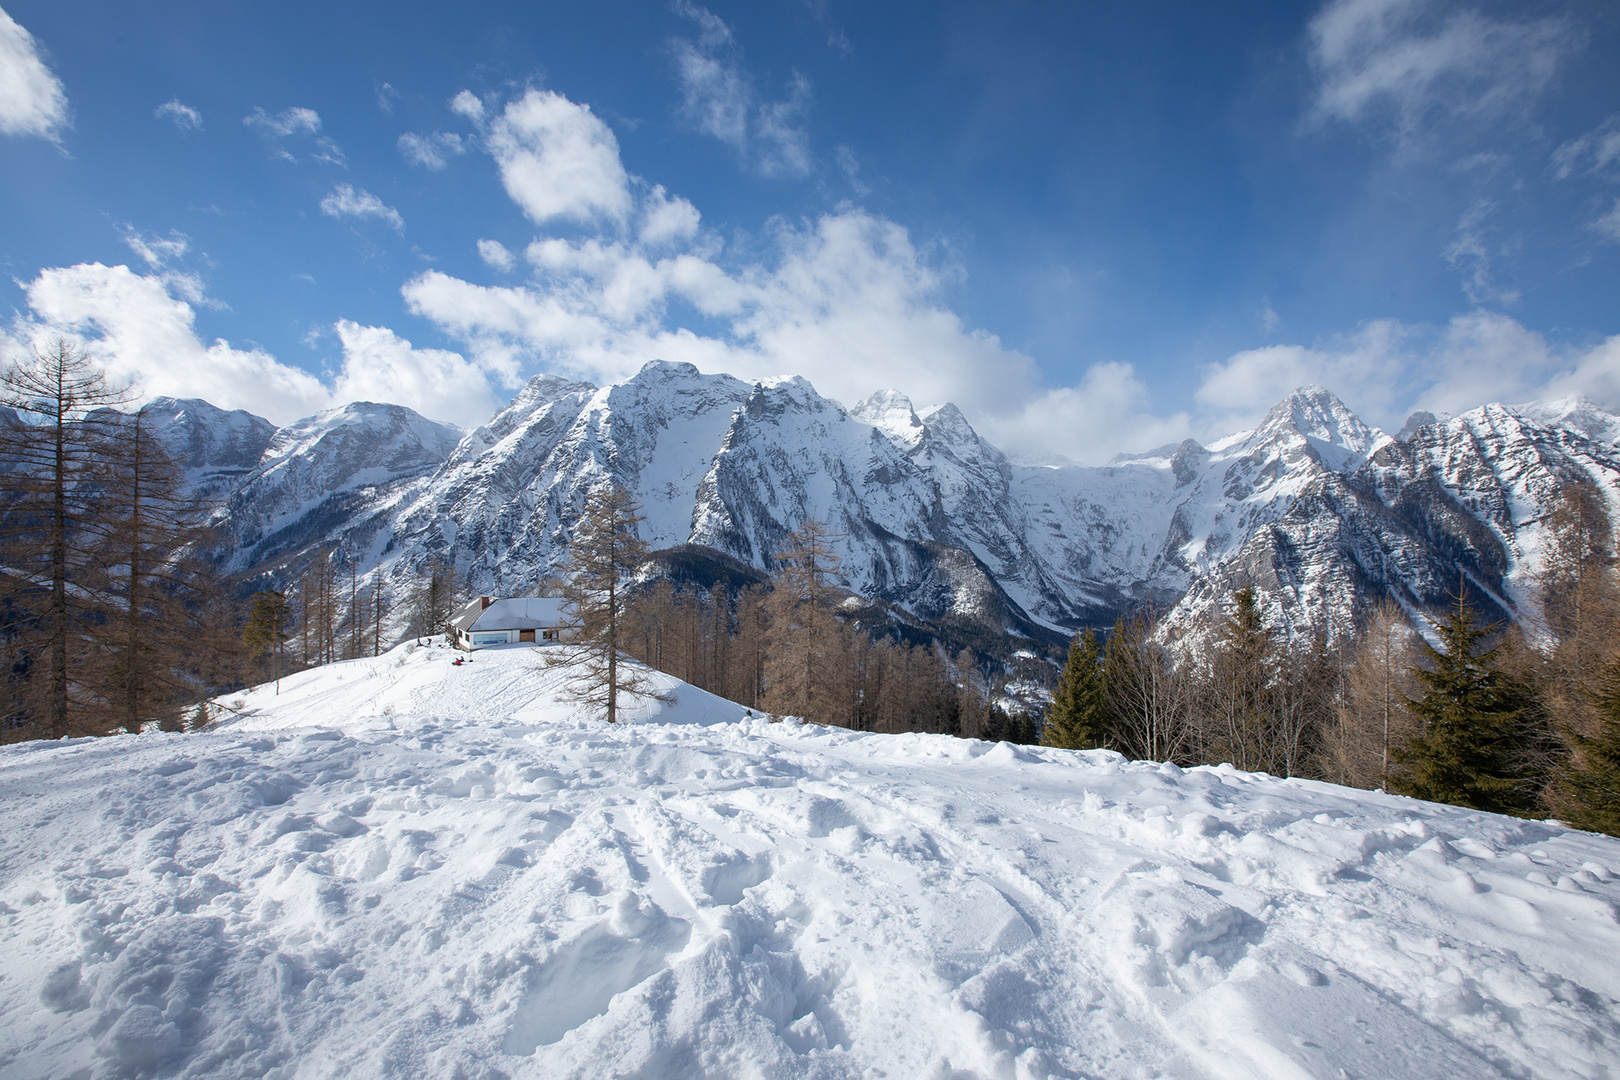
x: 401, y: 867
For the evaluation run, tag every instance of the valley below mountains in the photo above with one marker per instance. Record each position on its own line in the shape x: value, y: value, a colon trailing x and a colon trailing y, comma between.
x: 1319, y: 512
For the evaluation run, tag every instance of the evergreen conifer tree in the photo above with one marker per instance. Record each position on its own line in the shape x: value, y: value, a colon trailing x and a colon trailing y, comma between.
x: 1077, y: 718
x: 1470, y: 715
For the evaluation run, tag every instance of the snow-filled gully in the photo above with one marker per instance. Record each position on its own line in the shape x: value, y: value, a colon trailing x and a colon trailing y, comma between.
x: 452, y: 876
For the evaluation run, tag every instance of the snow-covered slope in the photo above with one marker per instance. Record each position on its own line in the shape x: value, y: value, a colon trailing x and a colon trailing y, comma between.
x: 404, y: 868
x: 331, y: 474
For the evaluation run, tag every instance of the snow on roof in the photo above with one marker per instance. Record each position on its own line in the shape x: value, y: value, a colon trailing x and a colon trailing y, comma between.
x: 521, y: 613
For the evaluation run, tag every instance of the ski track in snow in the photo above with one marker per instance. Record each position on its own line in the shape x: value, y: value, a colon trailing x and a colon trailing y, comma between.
x: 402, y: 868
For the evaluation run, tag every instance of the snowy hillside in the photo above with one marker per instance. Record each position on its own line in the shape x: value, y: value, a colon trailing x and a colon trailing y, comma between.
x: 402, y: 867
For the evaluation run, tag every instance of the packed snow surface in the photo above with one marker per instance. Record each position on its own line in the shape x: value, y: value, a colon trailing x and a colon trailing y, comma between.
x: 403, y: 867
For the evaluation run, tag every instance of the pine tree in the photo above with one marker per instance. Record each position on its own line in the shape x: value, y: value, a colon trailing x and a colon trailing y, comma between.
x: 603, y: 557
x: 1078, y: 716
x: 1239, y: 691
x: 1471, y: 715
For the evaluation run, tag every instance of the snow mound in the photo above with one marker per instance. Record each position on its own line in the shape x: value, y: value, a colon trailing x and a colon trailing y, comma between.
x: 423, y: 685
x: 403, y: 868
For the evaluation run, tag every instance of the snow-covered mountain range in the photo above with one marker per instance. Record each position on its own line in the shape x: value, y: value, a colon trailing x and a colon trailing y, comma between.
x: 1315, y: 508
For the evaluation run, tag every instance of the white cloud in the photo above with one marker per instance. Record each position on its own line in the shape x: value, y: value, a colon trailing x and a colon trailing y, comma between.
x: 288, y: 123
x: 183, y: 116
x: 1388, y: 369
x: 718, y: 98
x: 558, y: 160
x: 1470, y: 252
x: 667, y: 220
x: 466, y: 103
x: 348, y: 201
x: 141, y: 333
x: 496, y: 254
x: 1105, y: 413
x: 850, y: 166
x: 378, y: 365
x: 1609, y: 224
x: 431, y: 151
x: 32, y: 99
x: 1413, y: 60
x: 293, y: 121
x: 1596, y: 152
x: 848, y: 303
x: 165, y: 255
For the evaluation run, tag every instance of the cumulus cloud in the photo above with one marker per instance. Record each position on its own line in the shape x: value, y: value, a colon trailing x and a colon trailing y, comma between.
x: 431, y: 151
x: 496, y: 254
x: 141, y: 333
x: 1414, y: 60
x: 1107, y: 412
x: 348, y: 201
x: 1387, y: 369
x: 846, y: 301
x: 666, y: 219
x: 178, y: 113
x: 557, y: 158
x: 718, y: 98
x: 32, y: 99
x: 379, y: 365
x: 466, y: 103
x: 294, y: 122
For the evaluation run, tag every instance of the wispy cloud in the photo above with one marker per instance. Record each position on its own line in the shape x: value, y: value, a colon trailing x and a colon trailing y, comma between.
x: 178, y: 113
x: 719, y: 99
x: 1410, y: 62
x: 431, y: 151
x: 1595, y: 153
x: 1470, y: 253
x: 32, y: 99
x: 348, y: 201
x: 295, y: 122
x: 165, y: 256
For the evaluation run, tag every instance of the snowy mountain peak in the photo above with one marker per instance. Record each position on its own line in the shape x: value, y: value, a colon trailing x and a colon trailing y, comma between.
x: 200, y: 435
x: 1579, y: 414
x: 891, y: 412
x: 1329, y: 427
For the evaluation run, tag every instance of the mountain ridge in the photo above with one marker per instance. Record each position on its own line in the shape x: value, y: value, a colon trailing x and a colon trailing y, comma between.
x: 1319, y: 511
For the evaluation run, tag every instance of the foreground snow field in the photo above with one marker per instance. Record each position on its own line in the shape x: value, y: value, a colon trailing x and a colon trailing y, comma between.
x: 401, y: 867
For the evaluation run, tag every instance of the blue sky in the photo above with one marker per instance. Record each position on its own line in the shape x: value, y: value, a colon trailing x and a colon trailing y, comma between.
x: 1095, y: 227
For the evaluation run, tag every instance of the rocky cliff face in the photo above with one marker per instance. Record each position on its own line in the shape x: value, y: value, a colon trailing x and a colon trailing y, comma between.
x: 1316, y: 509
